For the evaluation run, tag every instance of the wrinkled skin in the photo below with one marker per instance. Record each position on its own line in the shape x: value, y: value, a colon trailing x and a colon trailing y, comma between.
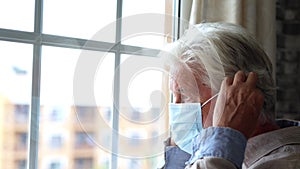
x: 239, y: 103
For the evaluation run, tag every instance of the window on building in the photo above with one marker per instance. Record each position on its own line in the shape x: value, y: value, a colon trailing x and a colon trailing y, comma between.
x: 55, y: 165
x: 83, y: 163
x: 21, y: 142
x: 21, y: 164
x: 56, y: 141
x: 135, y: 138
x: 21, y: 113
x: 86, y: 114
x: 135, y: 115
x: 58, y: 114
x: 106, y: 113
x: 98, y: 57
x: 83, y: 140
x: 134, y: 164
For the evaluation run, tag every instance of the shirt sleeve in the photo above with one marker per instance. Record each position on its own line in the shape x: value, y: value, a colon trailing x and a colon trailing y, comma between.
x: 175, y: 158
x: 219, y: 143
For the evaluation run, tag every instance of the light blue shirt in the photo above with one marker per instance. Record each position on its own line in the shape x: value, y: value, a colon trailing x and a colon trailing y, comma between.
x: 221, y: 142
x: 212, y: 142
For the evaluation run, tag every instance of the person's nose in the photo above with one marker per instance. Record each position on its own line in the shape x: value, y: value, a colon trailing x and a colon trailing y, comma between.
x: 176, y: 92
x: 177, y: 97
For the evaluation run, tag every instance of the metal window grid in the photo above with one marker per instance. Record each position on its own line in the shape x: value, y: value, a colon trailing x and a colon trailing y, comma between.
x: 38, y: 39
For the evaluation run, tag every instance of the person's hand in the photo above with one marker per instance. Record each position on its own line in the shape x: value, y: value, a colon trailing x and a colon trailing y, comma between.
x: 239, y: 103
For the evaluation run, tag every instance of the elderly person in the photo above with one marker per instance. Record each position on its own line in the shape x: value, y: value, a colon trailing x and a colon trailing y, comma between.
x: 224, y: 94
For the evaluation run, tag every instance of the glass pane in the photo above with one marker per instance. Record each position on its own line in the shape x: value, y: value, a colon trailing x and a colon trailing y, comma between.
x: 143, y: 126
x: 75, y: 130
x: 17, y: 14
x: 82, y: 19
x: 133, y: 7
x: 142, y: 26
x: 15, y: 99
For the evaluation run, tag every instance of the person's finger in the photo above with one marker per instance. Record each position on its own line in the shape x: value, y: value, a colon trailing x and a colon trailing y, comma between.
x: 239, y: 77
x: 228, y: 81
x: 252, y: 79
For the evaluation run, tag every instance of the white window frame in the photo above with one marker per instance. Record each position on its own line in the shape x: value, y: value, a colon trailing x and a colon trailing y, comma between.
x: 38, y: 39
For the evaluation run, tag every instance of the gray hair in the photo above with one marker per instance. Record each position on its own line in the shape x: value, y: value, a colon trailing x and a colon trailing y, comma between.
x: 216, y: 50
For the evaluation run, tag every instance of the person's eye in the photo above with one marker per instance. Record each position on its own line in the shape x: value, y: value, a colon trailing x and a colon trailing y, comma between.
x: 204, y: 84
x: 181, y: 91
x: 184, y: 95
x: 185, y: 99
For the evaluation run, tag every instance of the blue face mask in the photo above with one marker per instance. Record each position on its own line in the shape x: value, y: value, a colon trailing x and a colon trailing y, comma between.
x: 186, y: 123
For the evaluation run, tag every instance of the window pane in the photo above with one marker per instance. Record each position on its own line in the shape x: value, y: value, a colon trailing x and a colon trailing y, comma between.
x: 15, y: 98
x: 142, y: 112
x: 17, y: 14
x: 133, y: 7
x: 74, y: 136
x: 82, y: 19
x: 149, y: 30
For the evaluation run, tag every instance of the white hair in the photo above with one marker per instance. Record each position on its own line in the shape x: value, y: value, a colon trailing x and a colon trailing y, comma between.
x: 212, y: 51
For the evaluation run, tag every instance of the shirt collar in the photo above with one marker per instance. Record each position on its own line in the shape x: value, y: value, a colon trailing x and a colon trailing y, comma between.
x: 261, y: 145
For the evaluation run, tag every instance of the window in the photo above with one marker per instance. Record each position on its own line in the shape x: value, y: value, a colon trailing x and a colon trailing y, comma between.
x: 83, y: 140
x: 106, y: 113
x: 84, y: 18
x: 83, y: 163
x: 135, y: 115
x: 58, y: 114
x: 134, y: 164
x: 21, y: 142
x: 20, y: 16
x: 21, y: 164
x: 135, y: 139
x: 21, y: 113
x: 56, y: 141
x: 55, y: 165
x: 78, y: 76
x: 86, y: 114
x: 54, y: 162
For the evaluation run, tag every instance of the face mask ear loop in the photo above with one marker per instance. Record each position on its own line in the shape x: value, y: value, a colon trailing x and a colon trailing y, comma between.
x: 209, y: 100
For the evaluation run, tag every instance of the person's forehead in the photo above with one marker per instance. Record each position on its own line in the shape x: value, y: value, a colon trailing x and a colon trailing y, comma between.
x: 180, y: 75
x: 183, y: 72
x: 183, y: 79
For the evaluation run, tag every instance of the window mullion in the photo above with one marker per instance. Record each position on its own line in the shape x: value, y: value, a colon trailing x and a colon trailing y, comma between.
x: 116, y: 104
x: 35, y: 96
